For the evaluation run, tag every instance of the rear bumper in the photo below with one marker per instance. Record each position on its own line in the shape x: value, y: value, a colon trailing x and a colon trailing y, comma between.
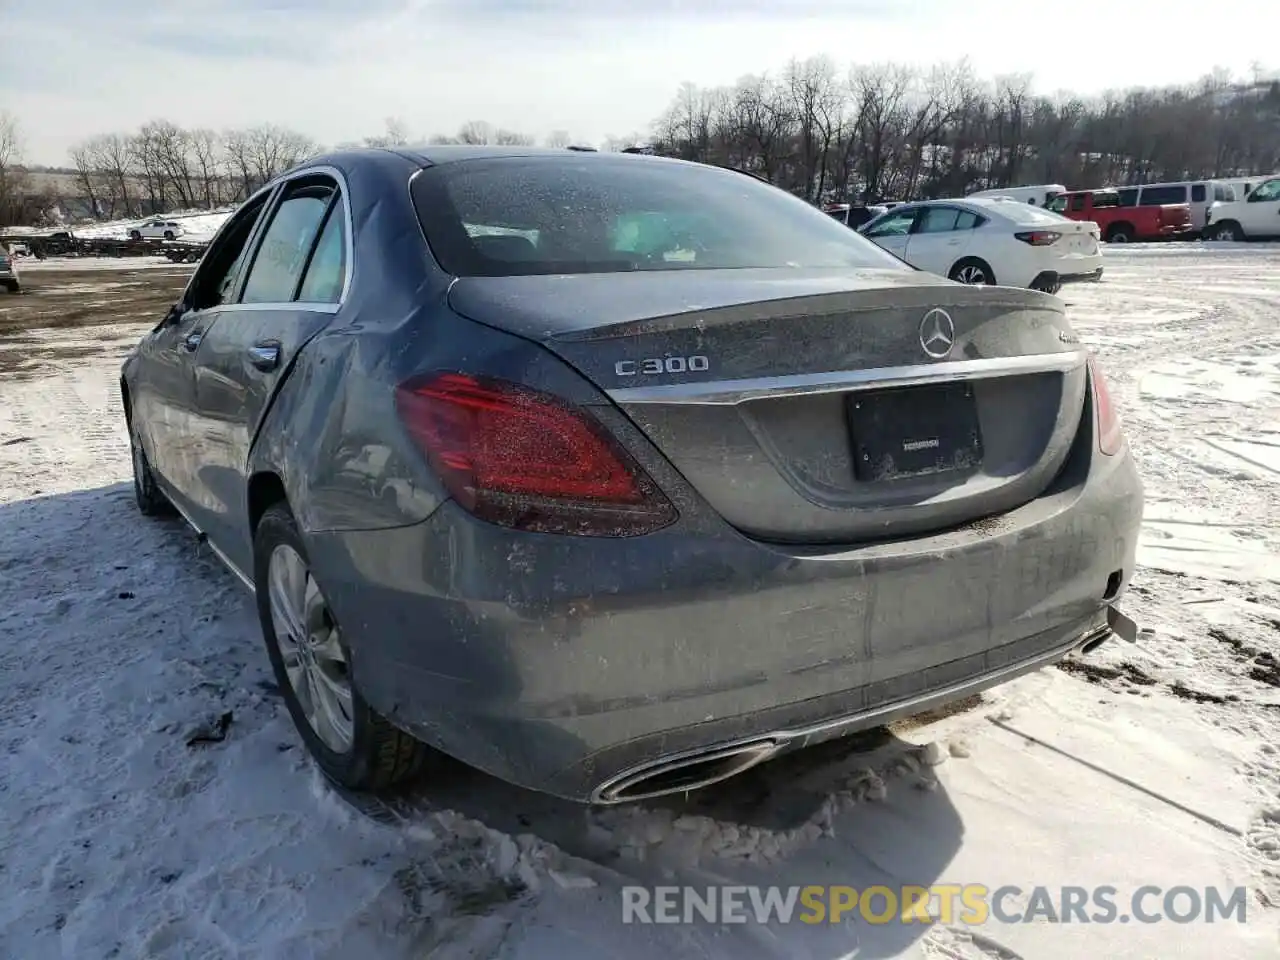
x: 560, y: 663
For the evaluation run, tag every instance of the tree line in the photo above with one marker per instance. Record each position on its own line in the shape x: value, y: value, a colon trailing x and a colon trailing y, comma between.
x: 866, y: 133
x: 164, y: 167
x: 888, y: 131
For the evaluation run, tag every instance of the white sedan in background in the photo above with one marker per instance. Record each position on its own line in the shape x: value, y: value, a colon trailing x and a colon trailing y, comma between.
x: 990, y: 241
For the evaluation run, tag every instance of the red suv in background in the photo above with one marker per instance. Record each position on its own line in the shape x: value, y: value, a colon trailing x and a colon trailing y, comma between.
x: 1121, y: 219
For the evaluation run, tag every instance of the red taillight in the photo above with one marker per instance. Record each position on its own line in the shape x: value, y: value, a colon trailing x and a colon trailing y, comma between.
x: 521, y: 458
x: 1110, y: 430
x: 1039, y: 238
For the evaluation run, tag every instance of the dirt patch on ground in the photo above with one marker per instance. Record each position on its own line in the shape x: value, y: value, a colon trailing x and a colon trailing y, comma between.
x: 1266, y: 669
x: 1097, y: 673
x: 73, y: 314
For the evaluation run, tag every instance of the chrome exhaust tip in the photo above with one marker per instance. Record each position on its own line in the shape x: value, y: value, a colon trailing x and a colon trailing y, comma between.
x: 1093, y: 641
x: 681, y: 773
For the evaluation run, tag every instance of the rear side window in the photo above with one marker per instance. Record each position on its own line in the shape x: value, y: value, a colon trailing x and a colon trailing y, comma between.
x: 513, y: 216
x: 968, y: 221
x: 896, y: 224
x: 327, y: 272
x: 286, y: 244
x: 1155, y: 196
x: 937, y: 220
x: 1198, y: 193
x: 1077, y: 203
x: 1128, y: 197
x: 1104, y: 200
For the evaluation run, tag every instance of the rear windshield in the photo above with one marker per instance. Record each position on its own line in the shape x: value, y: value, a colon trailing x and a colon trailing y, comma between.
x: 519, y: 216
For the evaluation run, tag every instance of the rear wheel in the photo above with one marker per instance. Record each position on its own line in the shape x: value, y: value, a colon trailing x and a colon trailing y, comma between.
x: 146, y: 492
x: 1120, y: 233
x: 353, y: 745
x: 168, y: 234
x: 971, y: 270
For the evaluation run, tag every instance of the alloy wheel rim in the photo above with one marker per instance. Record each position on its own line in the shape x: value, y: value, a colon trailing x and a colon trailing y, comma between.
x: 310, y: 646
x: 972, y: 275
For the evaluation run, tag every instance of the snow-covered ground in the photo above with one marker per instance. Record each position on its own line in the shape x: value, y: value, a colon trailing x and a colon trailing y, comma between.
x: 124, y: 646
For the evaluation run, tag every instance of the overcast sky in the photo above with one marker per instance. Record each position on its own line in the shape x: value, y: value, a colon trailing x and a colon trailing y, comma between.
x: 335, y: 69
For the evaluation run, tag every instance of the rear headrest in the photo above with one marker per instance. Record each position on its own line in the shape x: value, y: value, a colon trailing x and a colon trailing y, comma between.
x: 505, y: 247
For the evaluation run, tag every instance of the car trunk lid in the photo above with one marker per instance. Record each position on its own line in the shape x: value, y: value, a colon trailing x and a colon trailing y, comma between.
x: 819, y: 406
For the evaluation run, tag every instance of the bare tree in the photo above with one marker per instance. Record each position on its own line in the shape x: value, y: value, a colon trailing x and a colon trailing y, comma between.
x: 88, y: 177
x: 476, y: 132
x: 512, y: 138
x: 818, y: 107
x: 558, y: 138
x: 206, y: 149
x: 171, y: 152
x: 109, y: 155
x: 255, y: 156
x: 13, y: 179
x: 396, y: 134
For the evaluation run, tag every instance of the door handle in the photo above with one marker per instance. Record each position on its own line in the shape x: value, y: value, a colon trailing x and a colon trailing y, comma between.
x: 192, y: 340
x: 265, y: 356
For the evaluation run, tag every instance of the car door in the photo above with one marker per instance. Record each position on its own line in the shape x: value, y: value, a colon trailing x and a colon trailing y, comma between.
x: 891, y: 230
x: 163, y: 397
x: 1260, y: 213
x: 934, y: 243
x: 293, y: 286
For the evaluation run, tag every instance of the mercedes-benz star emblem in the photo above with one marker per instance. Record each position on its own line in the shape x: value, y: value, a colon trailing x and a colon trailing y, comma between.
x: 937, y: 333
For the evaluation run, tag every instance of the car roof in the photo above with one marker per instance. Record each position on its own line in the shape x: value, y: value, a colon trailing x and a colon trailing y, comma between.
x: 439, y: 153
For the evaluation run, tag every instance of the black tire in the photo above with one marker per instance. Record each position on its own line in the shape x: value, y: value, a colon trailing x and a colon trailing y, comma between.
x: 151, y: 500
x: 1120, y: 233
x: 13, y: 287
x: 973, y: 271
x: 1228, y: 231
x: 168, y: 234
x: 135, y: 235
x: 380, y: 756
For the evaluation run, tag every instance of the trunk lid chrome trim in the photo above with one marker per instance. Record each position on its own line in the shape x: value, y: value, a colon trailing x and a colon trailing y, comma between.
x: 733, y: 392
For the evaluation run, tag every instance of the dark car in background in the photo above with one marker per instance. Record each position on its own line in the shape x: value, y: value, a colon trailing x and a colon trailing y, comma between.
x: 854, y: 215
x: 9, y: 271
x: 615, y: 475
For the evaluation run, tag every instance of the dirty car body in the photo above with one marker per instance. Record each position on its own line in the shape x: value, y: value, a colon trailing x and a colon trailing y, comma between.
x: 621, y: 474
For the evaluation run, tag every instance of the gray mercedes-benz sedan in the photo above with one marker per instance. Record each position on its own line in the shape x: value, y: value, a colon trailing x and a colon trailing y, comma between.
x: 614, y: 475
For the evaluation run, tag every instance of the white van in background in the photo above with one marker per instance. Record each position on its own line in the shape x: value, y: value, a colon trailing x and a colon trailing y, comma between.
x: 1037, y: 196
